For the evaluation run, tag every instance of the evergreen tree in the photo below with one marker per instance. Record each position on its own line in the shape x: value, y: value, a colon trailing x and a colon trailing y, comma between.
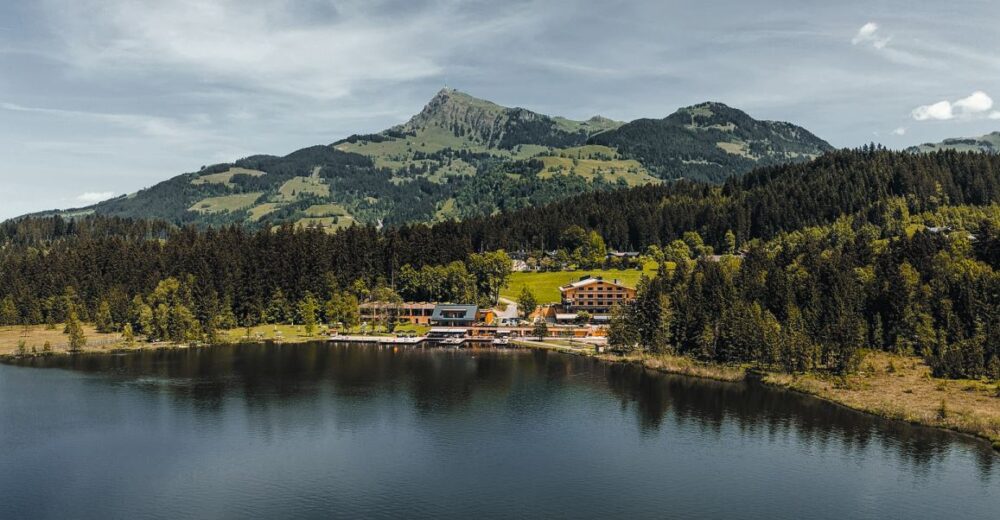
x: 77, y: 339
x: 128, y: 335
x: 540, y: 329
x: 623, y: 333
x: 526, y: 302
x: 308, y: 309
x: 9, y: 314
x: 103, y: 320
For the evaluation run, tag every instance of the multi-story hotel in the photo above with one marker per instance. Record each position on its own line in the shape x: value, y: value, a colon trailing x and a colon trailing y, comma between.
x: 594, y: 295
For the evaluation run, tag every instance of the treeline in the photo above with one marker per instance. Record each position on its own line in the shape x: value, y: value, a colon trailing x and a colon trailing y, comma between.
x: 814, y: 298
x: 887, y: 195
x: 761, y: 204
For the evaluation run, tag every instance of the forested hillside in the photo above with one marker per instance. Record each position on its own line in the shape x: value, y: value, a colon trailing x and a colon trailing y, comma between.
x: 859, y: 248
x: 711, y: 142
x: 463, y: 157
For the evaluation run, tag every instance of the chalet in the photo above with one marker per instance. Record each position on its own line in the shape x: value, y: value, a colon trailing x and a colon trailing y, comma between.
x: 454, y: 315
x: 595, y: 295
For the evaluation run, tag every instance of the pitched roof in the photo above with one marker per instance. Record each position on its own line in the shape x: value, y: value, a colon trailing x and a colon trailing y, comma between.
x: 587, y: 280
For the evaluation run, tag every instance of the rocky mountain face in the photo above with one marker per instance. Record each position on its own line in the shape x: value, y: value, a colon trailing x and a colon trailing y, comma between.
x: 496, y: 127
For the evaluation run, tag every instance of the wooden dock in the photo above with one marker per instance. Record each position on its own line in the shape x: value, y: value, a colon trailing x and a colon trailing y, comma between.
x: 377, y: 340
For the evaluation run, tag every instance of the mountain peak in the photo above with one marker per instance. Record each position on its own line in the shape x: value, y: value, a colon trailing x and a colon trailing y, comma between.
x: 451, y: 107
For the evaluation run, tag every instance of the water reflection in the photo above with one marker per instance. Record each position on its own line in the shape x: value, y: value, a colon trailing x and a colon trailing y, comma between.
x: 267, y: 378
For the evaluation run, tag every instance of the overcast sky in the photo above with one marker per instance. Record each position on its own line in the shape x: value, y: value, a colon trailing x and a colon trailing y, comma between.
x: 104, y: 97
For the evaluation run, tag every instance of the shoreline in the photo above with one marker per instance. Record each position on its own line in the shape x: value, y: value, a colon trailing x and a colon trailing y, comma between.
x: 868, y: 391
x: 890, y: 386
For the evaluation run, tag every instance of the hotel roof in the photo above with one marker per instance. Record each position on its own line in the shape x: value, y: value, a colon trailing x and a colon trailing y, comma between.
x: 587, y: 280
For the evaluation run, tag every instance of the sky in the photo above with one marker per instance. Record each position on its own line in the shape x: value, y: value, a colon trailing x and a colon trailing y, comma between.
x: 104, y: 97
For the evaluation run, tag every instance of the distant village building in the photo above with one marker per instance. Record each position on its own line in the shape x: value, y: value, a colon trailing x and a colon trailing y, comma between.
x: 595, y: 295
x: 719, y: 258
x: 624, y: 254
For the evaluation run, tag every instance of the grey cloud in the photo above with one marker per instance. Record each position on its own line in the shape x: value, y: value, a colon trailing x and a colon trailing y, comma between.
x: 114, y: 95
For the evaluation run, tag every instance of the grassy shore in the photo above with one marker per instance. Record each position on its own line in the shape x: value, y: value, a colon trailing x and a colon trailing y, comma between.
x: 891, y: 386
x: 35, y: 337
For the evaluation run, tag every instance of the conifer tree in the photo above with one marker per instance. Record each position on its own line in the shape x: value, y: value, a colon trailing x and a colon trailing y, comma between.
x: 103, y: 321
x: 74, y: 330
x: 307, y: 313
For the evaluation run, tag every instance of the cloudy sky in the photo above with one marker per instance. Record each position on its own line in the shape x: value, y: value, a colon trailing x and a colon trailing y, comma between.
x: 103, y: 97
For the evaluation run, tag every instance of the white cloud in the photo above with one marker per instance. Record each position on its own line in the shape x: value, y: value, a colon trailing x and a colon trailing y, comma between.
x: 899, y: 131
x: 994, y: 114
x: 974, y: 106
x: 940, y: 110
x: 869, y: 34
x: 977, y: 102
x: 92, y: 197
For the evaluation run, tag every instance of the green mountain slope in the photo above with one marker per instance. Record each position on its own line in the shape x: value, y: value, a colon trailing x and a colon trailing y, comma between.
x: 985, y: 143
x: 461, y: 157
x: 711, y: 142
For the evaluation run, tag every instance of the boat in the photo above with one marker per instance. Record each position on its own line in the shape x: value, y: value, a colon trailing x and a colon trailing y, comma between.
x: 452, y: 342
x: 502, y: 338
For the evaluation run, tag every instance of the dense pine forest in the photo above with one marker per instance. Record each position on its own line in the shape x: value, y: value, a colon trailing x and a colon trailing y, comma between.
x: 857, y: 249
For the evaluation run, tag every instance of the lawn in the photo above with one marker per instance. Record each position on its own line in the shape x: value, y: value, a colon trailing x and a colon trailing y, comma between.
x: 545, y: 286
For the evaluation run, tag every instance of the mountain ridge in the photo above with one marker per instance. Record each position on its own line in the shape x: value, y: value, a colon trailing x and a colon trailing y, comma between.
x: 463, y: 156
x: 985, y: 143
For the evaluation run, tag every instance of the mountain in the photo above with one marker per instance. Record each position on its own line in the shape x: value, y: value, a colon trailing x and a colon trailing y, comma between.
x: 711, y: 142
x: 462, y: 156
x: 985, y: 143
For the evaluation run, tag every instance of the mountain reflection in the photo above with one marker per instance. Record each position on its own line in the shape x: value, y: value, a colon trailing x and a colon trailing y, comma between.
x: 433, y: 382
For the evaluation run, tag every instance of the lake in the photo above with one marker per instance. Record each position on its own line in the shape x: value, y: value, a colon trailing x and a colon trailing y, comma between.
x: 336, y: 431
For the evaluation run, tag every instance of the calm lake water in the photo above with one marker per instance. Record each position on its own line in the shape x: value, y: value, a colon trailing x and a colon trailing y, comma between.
x: 321, y: 431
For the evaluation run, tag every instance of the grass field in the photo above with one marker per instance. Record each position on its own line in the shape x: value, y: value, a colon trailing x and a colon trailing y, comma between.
x: 327, y: 223
x: 296, y: 186
x: 226, y: 176
x: 592, y: 160
x: 545, y: 286
x: 259, y: 211
x: 226, y: 203
x: 35, y: 336
x: 326, y: 210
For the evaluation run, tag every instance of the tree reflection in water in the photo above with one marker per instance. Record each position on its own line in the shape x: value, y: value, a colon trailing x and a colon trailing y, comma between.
x: 437, y: 381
